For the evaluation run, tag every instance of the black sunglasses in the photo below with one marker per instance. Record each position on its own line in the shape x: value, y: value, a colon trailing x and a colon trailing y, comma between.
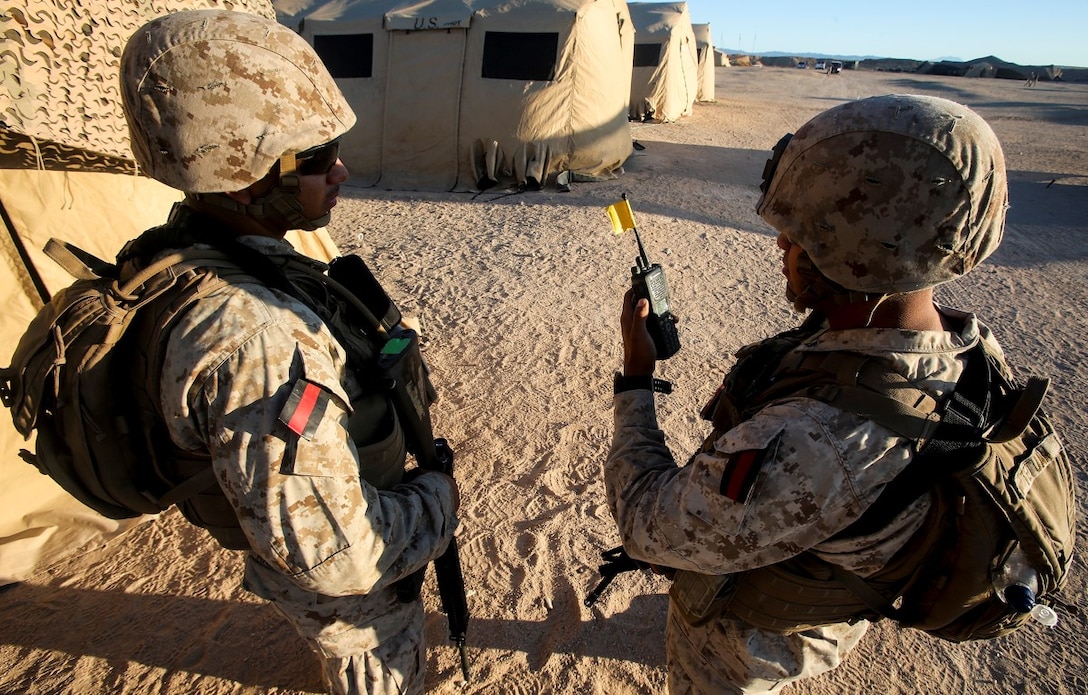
x: 317, y: 160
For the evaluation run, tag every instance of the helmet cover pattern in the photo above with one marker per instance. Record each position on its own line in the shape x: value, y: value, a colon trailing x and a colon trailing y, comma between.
x: 890, y: 194
x: 213, y: 98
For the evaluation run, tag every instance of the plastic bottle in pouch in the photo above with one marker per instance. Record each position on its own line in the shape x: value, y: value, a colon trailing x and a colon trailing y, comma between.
x: 1016, y: 583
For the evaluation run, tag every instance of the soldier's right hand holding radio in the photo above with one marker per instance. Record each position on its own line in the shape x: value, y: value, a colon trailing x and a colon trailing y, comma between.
x: 640, y: 354
x: 647, y: 322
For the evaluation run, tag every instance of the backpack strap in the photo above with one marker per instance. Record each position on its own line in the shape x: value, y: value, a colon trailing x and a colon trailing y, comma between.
x: 79, y: 263
x: 183, y: 234
x: 1022, y: 411
x: 864, y: 386
x: 955, y: 425
x: 862, y: 590
x: 195, y: 485
x: 163, y: 276
x: 187, y: 228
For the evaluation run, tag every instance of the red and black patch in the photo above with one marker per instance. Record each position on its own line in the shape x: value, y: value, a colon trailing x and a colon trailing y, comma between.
x: 741, y: 471
x: 304, y: 409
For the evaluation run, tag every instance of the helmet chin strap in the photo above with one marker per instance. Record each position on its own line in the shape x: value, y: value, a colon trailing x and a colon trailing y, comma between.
x: 818, y: 289
x: 279, y: 202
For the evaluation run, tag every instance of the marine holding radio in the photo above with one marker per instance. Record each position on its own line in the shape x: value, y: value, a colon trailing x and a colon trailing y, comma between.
x: 880, y: 460
x: 648, y: 285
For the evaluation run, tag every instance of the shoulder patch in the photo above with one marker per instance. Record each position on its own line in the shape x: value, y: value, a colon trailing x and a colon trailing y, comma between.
x: 304, y: 408
x: 741, y: 470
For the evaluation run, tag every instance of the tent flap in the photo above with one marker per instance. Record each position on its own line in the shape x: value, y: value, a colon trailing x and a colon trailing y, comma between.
x: 705, y: 55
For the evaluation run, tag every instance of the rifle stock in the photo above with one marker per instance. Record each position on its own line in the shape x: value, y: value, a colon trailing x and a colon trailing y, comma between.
x: 616, y: 561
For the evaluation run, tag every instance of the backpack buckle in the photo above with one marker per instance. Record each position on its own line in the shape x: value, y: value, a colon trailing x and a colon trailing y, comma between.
x: 1027, y: 404
x: 7, y: 396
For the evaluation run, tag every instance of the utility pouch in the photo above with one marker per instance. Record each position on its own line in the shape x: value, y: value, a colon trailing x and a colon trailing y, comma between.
x: 700, y: 597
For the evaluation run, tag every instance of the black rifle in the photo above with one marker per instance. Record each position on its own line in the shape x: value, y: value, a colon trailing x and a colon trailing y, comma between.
x: 447, y: 572
x: 616, y: 561
x: 401, y: 367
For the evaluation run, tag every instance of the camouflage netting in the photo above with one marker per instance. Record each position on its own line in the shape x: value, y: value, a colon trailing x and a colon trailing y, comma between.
x: 60, y: 102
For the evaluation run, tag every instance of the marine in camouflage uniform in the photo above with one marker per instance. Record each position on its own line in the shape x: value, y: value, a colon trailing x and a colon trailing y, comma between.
x: 876, y: 202
x: 239, y: 113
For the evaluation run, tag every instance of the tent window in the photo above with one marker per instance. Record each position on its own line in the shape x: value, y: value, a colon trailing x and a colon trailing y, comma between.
x: 346, y: 55
x: 520, y: 56
x: 647, y: 55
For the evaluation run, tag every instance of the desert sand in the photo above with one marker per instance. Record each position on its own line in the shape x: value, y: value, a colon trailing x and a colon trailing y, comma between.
x: 518, y: 295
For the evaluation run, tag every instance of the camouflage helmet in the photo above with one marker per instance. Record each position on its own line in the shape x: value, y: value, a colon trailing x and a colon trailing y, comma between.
x: 214, y: 98
x: 890, y: 194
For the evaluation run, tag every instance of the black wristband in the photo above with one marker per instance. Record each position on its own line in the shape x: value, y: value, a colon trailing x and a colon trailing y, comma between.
x: 621, y: 383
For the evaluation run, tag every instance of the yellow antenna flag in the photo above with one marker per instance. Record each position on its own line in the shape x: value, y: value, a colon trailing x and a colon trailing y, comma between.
x: 621, y: 216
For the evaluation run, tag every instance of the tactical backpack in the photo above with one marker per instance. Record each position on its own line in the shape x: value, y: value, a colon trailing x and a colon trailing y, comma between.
x: 85, y: 375
x: 999, y: 481
x: 80, y: 380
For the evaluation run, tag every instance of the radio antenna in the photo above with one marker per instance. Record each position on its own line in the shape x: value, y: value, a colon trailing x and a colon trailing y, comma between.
x: 643, y: 260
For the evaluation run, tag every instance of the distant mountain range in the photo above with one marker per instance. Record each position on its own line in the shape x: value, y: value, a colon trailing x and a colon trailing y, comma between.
x: 832, y: 56
x: 786, y: 54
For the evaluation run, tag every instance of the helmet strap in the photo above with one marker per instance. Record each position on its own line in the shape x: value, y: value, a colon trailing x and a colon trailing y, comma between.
x: 281, y: 201
x: 818, y: 289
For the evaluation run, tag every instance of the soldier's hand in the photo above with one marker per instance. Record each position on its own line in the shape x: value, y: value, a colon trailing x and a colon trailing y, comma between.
x: 412, y: 474
x: 456, y: 490
x: 667, y: 572
x: 639, y: 352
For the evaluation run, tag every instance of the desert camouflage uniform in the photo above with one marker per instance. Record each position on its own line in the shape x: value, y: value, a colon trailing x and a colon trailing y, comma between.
x: 821, y: 468
x: 326, y: 544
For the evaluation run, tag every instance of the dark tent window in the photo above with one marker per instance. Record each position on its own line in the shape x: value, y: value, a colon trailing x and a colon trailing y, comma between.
x: 520, y: 56
x: 699, y: 54
x: 647, y: 55
x: 346, y: 55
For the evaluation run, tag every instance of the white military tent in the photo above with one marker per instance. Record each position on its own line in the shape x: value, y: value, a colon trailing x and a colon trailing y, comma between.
x: 664, y: 82
x: 704, y: 45
x: 66, y: 172
x: 460, y: 94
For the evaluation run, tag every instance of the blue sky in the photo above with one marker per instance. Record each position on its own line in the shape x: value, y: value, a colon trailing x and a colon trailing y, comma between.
x: 1024, y: 32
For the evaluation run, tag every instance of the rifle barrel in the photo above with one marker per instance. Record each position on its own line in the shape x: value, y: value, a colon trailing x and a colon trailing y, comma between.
x: 450, y: 578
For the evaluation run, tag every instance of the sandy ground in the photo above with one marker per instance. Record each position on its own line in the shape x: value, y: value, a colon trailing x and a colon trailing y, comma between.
x: 518, y: 296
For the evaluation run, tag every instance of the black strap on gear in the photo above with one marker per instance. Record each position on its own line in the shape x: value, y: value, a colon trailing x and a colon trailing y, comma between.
x: 771, y: 166
x: 964, y: 417
x: 187, y: 227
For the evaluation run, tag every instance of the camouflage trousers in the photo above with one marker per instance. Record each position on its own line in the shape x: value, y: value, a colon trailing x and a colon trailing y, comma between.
x: 354, y: 663
x: 367, y: 645
x: 726, y: 656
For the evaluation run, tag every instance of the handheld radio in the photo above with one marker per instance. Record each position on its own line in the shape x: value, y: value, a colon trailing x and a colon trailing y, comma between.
x: 648, y: 281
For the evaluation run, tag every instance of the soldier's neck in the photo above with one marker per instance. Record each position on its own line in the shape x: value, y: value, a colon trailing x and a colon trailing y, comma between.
x: 913, y: 311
